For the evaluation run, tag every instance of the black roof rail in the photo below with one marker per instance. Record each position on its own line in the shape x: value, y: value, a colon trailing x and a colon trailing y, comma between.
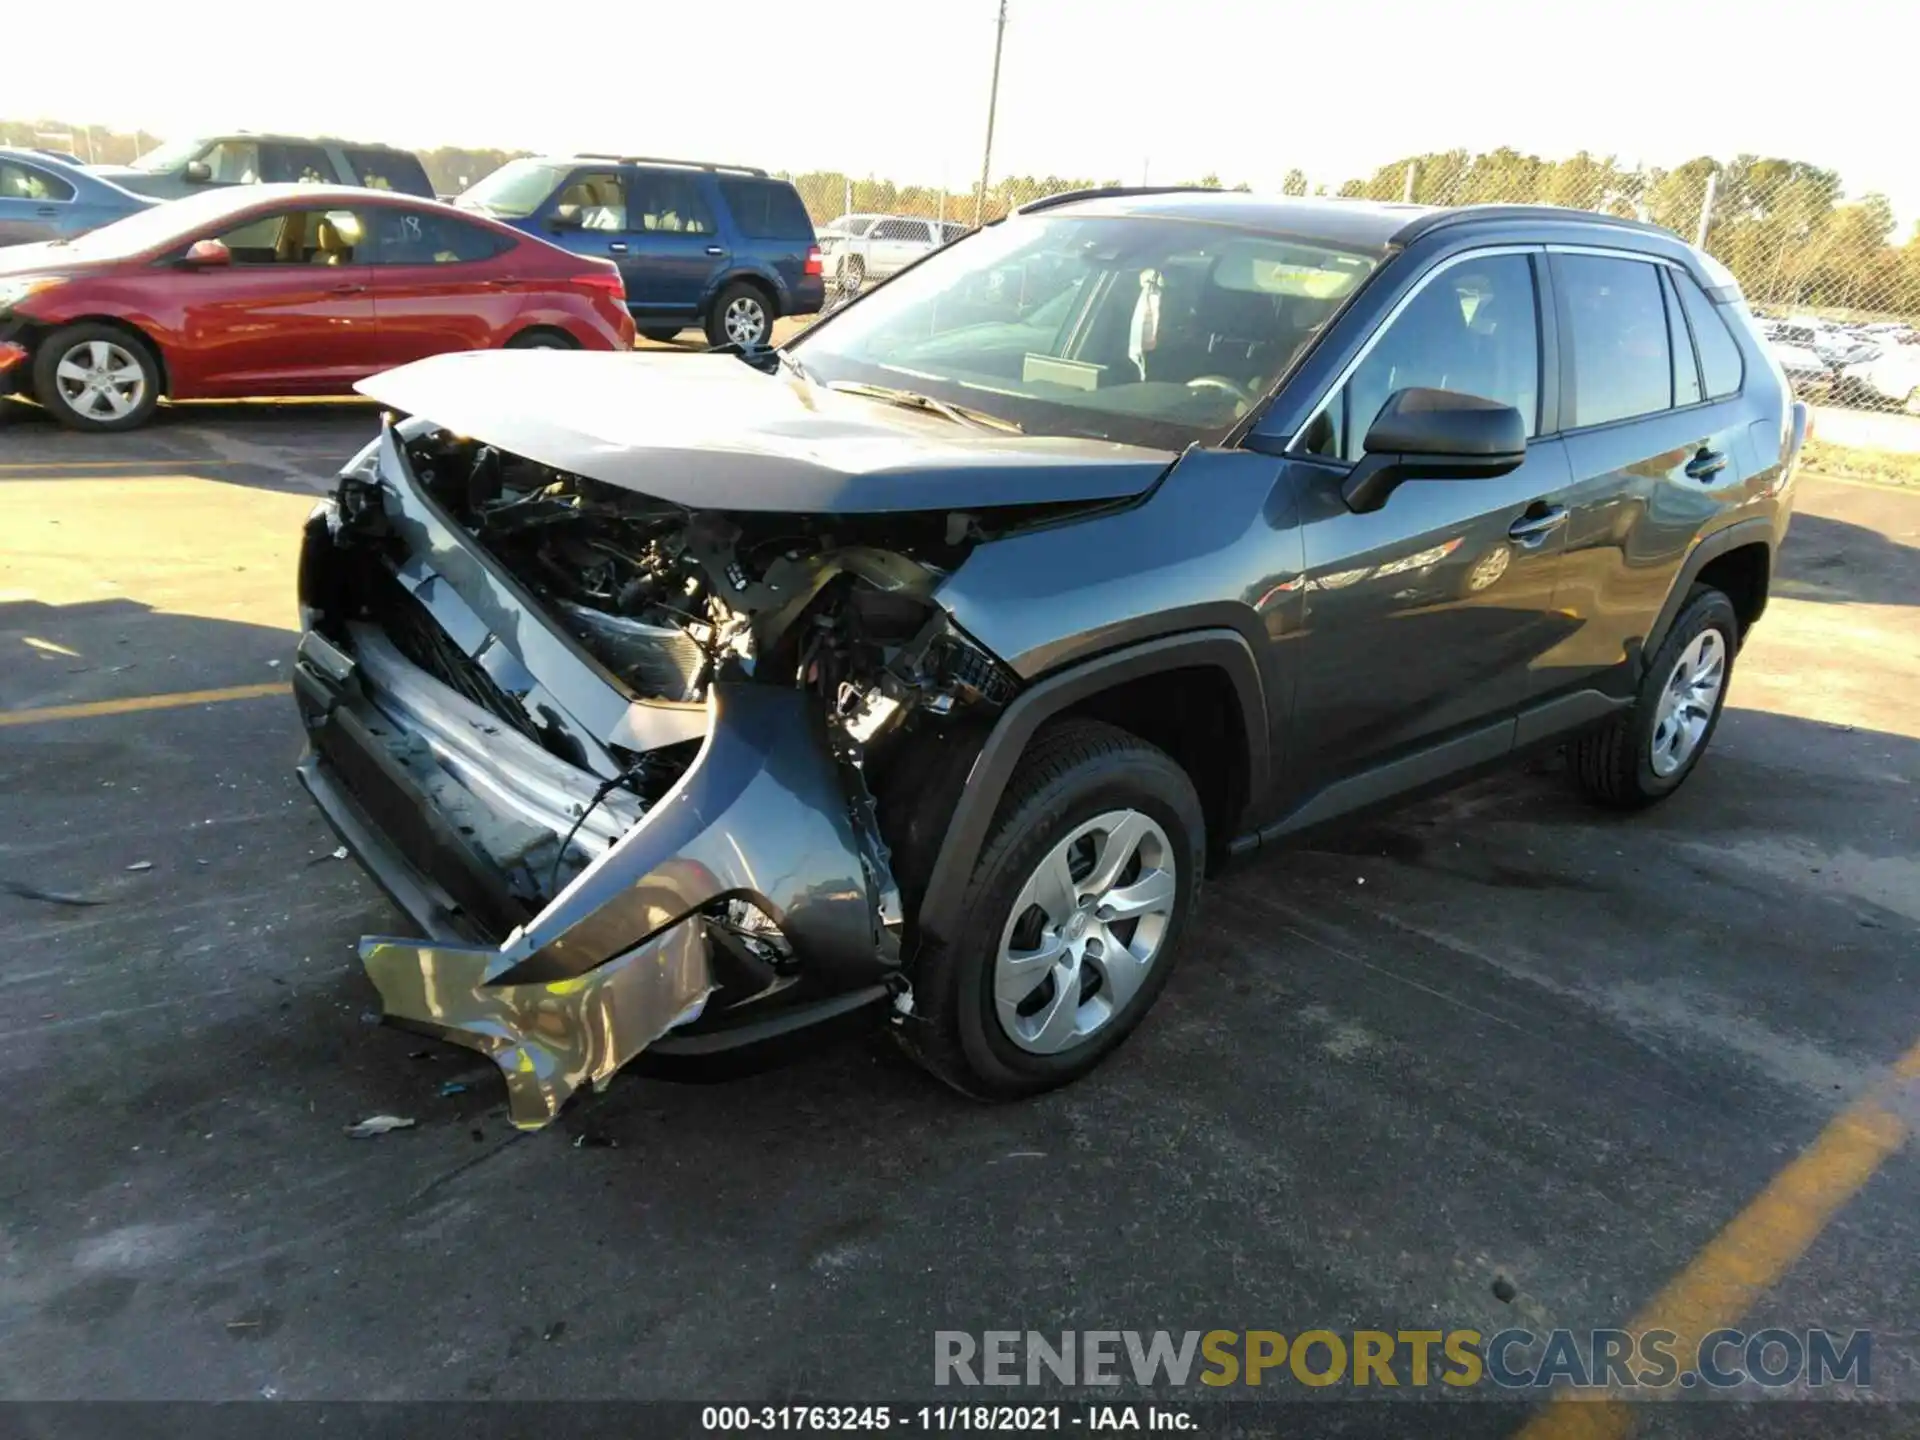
x: 1466, y: 214
x: 663, y: 160
x: 1101, y: 192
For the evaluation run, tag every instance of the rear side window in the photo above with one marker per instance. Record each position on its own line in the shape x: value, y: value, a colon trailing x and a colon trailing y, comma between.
x: 1719, y: 353
x: 1474, y: 328
x: 419, y: 237
x: 1686, y: 374
x: 670, y: 201
x: 389, y: 170
x: 1622, y: 363
x: 767, y: 209
x: 295, y: 164
x: 23, y: 182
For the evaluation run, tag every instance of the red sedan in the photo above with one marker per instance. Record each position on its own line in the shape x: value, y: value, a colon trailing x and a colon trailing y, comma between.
x: 282, y: 290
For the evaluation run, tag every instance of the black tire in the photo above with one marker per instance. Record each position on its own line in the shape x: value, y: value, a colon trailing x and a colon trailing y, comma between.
x: 751, y: 298
x: 660, y: 333
x: 542, y: 338
x: 68, y: 401
x: 1614, y: 764
x: 1072, y: 772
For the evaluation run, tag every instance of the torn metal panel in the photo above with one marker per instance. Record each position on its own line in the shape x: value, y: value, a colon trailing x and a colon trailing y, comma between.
x: 578, y: 684
x: 548, y: 1038
x: 763, y: 813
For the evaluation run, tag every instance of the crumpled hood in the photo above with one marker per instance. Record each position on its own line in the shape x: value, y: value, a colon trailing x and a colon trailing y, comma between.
x: 713, y: 433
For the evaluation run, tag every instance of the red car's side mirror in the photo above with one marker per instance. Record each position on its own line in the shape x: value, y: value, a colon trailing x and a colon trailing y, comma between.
x: 204, y: 253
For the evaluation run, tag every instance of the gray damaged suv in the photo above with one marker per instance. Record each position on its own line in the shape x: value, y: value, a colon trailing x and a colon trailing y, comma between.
x: 692, y: 704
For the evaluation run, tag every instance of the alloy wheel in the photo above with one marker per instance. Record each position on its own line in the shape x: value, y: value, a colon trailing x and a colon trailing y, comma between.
x: 1687, y: 701
x: 100, y: 380
x: 1084, y: 931
x: 745, y: 321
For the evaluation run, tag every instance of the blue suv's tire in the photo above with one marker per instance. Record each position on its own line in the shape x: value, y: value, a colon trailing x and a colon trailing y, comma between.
x: 743, y: 316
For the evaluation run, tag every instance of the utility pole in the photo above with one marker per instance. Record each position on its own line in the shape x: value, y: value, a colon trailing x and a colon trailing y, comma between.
x: 993, y: 104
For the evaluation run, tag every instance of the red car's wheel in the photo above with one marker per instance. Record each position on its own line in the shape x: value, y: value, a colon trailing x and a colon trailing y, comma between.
x: 96, y: 377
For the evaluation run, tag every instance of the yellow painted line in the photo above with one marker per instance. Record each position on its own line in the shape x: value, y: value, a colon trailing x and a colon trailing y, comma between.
x: 134, y: 704
x: 1757, y: 1247
x: 159, y: 465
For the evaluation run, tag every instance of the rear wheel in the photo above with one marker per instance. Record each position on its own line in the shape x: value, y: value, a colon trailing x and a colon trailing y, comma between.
x: 96, y: 377
x: 1075, y: 915
x: 1643, y: 754
x: 542, y: 339
x: 853, y: 274
x: 660, y: 333
x: 741, y: 316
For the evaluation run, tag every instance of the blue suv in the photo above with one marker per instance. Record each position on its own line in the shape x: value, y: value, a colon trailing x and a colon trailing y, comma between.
x: 724, y: 247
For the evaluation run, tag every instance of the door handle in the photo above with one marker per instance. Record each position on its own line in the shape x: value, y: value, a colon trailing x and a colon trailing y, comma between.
x: 47, y: 212
x: 349, y: 289
x: 716, y: 250
x: 1531, y: 529
x: 1706, y: 464
x: 616, y: 247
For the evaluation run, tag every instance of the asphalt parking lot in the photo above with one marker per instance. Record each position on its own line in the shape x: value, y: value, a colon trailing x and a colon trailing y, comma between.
x: 1642, y: 1070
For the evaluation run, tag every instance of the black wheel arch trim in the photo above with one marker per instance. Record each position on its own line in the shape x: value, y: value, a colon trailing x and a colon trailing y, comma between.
x: 939, y: 917
x: 1757, y: 530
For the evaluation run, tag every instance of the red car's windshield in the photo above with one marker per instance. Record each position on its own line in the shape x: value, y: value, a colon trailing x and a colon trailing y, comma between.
x: 161, y: 226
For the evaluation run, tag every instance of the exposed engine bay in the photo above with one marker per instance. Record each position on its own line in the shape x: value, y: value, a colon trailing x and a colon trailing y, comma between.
x: 668, y: 602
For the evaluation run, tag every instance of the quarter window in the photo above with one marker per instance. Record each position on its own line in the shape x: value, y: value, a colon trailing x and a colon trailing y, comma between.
x: 1622, y: 362
x: 1473, y: 328
x: 1719, y: 355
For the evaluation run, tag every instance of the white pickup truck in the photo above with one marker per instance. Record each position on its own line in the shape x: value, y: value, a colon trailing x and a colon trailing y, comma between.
x: 857, y: 248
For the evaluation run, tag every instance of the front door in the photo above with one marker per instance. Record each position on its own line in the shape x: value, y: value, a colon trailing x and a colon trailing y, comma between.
x: 1657, y: 444
x: 292, y: 314
x: 1424, y: 619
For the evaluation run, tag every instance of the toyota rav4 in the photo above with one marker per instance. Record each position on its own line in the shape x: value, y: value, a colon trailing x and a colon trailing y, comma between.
x: 923, y: 668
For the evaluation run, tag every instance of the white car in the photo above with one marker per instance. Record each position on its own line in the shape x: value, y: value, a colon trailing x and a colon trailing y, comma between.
x: 857, y: 248
x: 1889, y: 381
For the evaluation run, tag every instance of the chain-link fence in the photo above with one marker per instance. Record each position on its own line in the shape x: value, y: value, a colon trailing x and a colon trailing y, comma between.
x: 1837, y: 287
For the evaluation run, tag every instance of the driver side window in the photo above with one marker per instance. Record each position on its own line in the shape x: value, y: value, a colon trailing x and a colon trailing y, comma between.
x: 1473, y: 328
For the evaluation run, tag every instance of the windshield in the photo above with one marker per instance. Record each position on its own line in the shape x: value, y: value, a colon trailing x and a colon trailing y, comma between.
x: 162, y: 225
x: 515, y: 190
x: 1147, y: 331
x: 170, y: 156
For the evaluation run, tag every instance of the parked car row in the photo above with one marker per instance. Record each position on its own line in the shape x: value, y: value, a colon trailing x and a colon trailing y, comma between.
x: 282, y: 290
x: 1874, y: 366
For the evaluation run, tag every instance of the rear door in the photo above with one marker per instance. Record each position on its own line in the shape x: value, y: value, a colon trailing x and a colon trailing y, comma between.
x: 1426, y: 617
x: 1656, y: 448
x: 293, y: 313
x: 35, y: 204
x: 676, y: 249
x: 439, y: 283
x: 285, y: 162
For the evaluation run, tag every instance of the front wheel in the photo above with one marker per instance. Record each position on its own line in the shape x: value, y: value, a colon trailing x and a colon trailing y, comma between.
x: 1076, y: 911
x: 741, y: 316
x: 1643, y: 754
x: 96, y: 377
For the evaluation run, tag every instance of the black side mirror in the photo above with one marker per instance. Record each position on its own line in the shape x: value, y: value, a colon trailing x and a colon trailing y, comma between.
x: 199, y: 172
x: 1423, y: 434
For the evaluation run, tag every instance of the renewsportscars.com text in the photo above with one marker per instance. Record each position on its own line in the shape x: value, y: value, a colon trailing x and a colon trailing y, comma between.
x: 1507, y: 1360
